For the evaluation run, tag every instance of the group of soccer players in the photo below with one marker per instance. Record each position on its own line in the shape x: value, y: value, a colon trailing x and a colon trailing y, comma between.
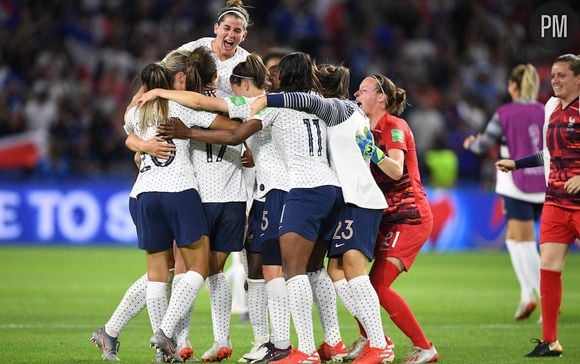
x: 315, y: 196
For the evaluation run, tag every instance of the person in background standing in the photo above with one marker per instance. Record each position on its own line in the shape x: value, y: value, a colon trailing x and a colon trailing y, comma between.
x: 517, y: 128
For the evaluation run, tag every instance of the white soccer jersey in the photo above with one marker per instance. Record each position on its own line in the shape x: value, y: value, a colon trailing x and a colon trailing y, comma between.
x: 344, y: 118
x: 301, y: 138
x: 218, y: 168
x: 174, y: 174
x: 224, y: 68
x: 271, y: 171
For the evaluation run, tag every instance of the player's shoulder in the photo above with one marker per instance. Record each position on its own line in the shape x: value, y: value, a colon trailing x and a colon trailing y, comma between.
x: 393, y: 121
x: 190, y: 46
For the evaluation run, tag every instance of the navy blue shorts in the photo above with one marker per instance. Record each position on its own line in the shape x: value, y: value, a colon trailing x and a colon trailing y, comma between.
x: 312, y: 212
x: 162, y: 217
x: 356, y: 229
x: 133, y: 209
x: 270, y: 227
x: 226, y: 222
x: 521, y: 210
x: 252, y: 244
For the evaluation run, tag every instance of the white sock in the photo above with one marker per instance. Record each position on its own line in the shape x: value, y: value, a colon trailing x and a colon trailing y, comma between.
x: 324, y: 296
x: 343, y: 292
x: 518, y: 263
x: 221, y: 307
x: 183, y: 325
x: 134, y: 300
x: 368, y: 309
x: 279, y: 311
x: 181, y: 301
x: 258, y: 308
x: 236, y: 277
x: 156, y: 303
x: 300, y: 294
x: 532, y: 268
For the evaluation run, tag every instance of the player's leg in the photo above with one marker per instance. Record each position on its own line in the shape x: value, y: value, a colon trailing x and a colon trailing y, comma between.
x: 181, y: 336
x: 521, y: 245
x: 354, y: 241
x: 324, y: 296
x: 558, y: 229
x: 403, y: 243
x: 192, y: 240
x: 228, y: 236
x: 257, y: 304
x: 195, y: 256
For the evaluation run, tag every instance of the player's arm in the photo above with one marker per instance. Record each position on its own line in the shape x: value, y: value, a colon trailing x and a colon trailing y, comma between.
x: 481, y: 143
x: 186, y: 98
x: 156, y: 147
x: 391, y: 163
x: 330, y: 110
x: 231, y: 137
x: 224, y: 130
x: 136, y: 97
x: 534, y: 160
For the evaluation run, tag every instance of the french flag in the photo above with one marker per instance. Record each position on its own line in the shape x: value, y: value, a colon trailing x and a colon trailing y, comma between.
x: 22, y: 150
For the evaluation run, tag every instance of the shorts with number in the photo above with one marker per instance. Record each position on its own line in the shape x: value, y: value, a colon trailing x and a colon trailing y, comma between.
x: 521, y: 210
x: 356, y: 229
x: 402, y: 241
x: 270, y: 226
x: 312, y: 212
x: 559, y: 225
x: 162, y: 217
x: 226, y: 222
x: 252, y: 244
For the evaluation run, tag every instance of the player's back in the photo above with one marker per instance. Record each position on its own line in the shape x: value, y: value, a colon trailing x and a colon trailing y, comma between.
x: 302, y: 139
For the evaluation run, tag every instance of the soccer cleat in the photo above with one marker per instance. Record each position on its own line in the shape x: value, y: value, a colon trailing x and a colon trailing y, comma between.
x: 357, y: 348
x: 256, y: 353
x: 544, y: 348
x: 419, y: 355
x: 186, y: 354
x: 108, y: 345
x: 159, y: 358
x: 337, y: 352
x: 524, y: 310
x: 217, y: 353
x: 167, y: 345
x: 298, y: 357
x: 372, y: 355
x: 273, y: 354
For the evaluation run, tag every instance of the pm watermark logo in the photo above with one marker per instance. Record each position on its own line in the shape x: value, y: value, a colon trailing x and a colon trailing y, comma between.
x: 554, y: 26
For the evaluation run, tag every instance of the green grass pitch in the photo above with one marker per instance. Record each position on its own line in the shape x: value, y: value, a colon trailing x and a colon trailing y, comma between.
x: 52, y: 298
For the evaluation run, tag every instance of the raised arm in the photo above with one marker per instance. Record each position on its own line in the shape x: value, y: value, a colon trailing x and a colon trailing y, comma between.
x: 187, y: 98
x: 333, y: 111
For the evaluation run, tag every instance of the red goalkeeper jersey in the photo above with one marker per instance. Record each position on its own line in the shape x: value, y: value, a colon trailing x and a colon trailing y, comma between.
x: 406, y: 197
x: 563, y: 143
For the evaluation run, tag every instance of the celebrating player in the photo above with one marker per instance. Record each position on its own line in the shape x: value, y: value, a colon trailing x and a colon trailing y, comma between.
x: 560, y: 221
x: 407, y: 222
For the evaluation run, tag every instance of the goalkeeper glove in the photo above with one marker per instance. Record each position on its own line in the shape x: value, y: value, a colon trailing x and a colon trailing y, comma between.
x: 367, y: 146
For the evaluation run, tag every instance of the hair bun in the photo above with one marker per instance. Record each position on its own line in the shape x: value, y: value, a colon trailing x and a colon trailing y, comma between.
x: 234, y: 3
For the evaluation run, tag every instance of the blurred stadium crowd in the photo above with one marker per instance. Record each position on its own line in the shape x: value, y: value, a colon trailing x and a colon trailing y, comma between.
x: 67, y: 68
